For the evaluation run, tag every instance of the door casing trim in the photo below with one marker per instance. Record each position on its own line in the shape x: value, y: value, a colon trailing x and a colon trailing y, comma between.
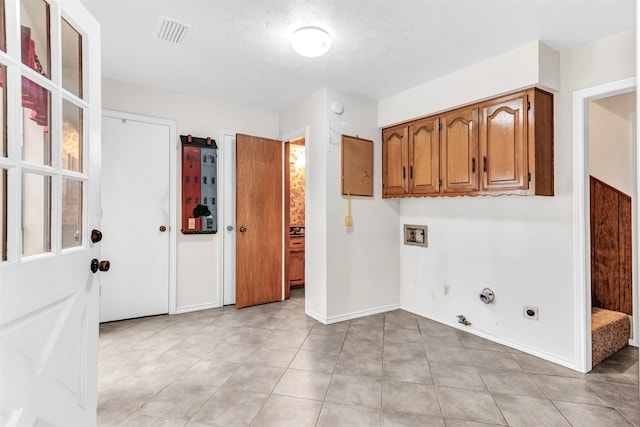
x: 581, y: 224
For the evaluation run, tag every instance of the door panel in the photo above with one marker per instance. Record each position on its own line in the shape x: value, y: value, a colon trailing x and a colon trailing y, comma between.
x: 135, y: 204
x: 502, y: 144
x: 258, y: 220
x: 49, y: 296
x: 459, y: 151
x: 395, y: 157
x: 424, y: 157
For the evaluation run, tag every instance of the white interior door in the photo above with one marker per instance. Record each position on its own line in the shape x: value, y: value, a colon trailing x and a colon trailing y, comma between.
x: 136, y: 216
x: 49, y: 203
x: 229, y: 252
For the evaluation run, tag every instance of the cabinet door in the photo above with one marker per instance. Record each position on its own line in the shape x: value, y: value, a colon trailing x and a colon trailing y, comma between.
x: 503, y: 144
x: 395, y: 156
x: 424, y: 152
x: 459, y: 152
x: 296, y: 268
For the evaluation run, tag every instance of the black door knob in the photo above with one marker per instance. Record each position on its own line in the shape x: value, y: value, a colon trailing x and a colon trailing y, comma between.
x: 243, y: 229
x: 96, y: 235
x: 99, y: 265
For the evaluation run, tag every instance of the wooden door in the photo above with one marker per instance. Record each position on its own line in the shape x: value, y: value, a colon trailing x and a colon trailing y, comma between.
x: 51, y: 174
x: 136, y: 201
x: 287, y: 218
x: 459, y: 151
x: 258, y: 220
x: 424, y: 156
x: 395, y: 159
x: 503, y: 144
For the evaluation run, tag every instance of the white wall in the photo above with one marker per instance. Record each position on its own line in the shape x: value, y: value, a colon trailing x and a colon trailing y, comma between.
x: 532, y: 64
x: 198, y: 256
x: 610, y: 140
x: 363, y: 262
x: 310, y: 115
x: 521, y: 247
x: 349, y: 271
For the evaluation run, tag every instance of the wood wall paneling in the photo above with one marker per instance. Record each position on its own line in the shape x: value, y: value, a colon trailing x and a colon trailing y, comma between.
x: 611, y: 258
x: 626, y: 260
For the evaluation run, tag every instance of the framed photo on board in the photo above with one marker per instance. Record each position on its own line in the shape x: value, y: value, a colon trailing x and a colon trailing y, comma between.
x: 357, y: 166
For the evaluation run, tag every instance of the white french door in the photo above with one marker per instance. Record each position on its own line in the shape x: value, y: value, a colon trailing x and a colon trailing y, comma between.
x: 49, y: 204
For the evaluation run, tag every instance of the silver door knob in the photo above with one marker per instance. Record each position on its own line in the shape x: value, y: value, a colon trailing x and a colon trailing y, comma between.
x: 229, y: 227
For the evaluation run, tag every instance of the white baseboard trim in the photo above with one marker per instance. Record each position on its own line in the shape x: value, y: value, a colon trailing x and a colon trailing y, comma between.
x: 349, y: 316
x: 197, y: 307
x: 362, y: 313
x: 315, y: 316
x: 566, y: 363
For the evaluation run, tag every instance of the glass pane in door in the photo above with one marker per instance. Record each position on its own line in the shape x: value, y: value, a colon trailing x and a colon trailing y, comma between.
x: 71, y: 137
x: 71, y: 59
x: 3, y: 111
x: 3, y: 214
x: 35, y: 45
x: 71, y: 213
x: 36, y: 214
x: 36, y: 113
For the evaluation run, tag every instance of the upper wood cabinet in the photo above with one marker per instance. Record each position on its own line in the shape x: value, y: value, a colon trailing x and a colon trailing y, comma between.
x: 395, y: 159
x: 424, y: 151
x: 503, y: 143
x: 410, y: 155
x: 499, y: 146
x: 459, y: 151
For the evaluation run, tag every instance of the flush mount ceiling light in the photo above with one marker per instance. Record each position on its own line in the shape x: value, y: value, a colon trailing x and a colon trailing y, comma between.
x: 311, y: 41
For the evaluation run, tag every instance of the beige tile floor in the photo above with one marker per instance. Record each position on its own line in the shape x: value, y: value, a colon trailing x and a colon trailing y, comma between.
x: 272, y: 366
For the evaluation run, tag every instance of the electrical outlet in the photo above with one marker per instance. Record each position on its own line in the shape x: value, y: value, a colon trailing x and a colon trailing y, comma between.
x: 445, y: 290
x: 530, y: 312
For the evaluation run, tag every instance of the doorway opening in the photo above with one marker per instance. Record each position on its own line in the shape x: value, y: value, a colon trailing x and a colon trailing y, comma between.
x: 611, y: 146
x: 294, y: 195
x: 605, y: 246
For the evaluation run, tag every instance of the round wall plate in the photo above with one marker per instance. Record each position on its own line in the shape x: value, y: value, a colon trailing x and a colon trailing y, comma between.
x: 337, y: 107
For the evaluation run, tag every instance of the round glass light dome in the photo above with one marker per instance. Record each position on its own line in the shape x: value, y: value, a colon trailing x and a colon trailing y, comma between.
x: 311, y: 41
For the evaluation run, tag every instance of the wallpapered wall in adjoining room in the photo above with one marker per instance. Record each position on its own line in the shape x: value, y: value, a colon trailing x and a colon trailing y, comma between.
x: 297, y: 163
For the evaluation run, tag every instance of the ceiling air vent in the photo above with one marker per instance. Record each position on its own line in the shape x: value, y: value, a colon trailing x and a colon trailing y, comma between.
x: 172, y: 31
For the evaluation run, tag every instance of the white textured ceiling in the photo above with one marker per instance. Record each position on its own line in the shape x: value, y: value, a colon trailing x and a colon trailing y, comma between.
x: 239, y: 51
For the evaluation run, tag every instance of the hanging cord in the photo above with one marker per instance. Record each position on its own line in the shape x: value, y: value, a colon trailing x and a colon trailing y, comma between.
x: 338, y: 132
